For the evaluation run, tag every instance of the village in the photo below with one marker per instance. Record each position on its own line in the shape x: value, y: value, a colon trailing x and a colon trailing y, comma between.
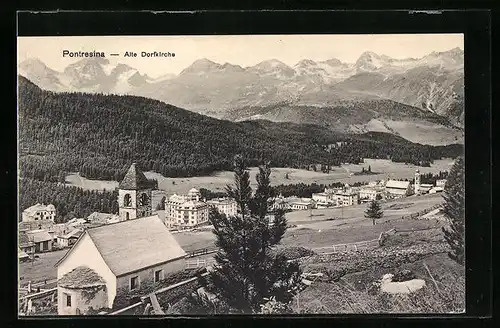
x: 96, y: 253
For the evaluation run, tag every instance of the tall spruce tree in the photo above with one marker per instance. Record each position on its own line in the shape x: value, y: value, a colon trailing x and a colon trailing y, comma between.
x: 454, y: 210
x: 374, y: 211
x: 246, y: 270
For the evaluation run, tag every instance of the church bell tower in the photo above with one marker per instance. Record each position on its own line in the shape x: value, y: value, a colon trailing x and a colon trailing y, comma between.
x: 417, y: 182
x: 134, y: 195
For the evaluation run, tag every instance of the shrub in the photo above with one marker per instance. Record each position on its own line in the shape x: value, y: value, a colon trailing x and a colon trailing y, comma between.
x: 274, y: 307
x: 292, y: 253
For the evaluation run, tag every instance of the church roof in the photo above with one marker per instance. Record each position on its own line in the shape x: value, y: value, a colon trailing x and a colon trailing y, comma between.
x: 148, y: 243
x: 134, y: 179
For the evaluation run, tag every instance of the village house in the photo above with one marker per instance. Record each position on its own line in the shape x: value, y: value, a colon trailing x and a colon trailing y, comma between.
x: 280, y: 203
x: 370, y: 192
x: 434, y: 190
x: 346, y: 198
x: 299, y: 204
x: 25, y: 244
x: 67, y: 240
x: 36, y: 225
x: 22, y: 255
x: 226, y: 206
x: 425, y: 188
x: 103, y: 218
x: 41, y: 239
x: 324, y: 198
x: 114, y: 259
x: 396, y: 188
x: 39, y: 212
x: 59, y: 229
x: 186, y: 210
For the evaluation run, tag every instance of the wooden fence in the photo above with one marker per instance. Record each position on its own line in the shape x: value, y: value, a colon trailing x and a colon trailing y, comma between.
x: 199, y: 263
x: 360, y: 245
x: 423, y: 212
x: 202, y: 251
x: 26, y: 301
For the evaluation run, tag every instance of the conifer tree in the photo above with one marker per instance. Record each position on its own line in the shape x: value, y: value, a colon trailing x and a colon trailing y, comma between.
x: 246, y: 270
x: 374, y: 211
x: 454, y: 210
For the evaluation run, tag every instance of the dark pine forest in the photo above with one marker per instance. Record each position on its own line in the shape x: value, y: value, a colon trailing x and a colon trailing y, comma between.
x: 100, y: 135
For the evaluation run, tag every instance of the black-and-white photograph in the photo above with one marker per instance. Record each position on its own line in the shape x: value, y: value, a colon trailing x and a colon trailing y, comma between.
x: 241, y: 174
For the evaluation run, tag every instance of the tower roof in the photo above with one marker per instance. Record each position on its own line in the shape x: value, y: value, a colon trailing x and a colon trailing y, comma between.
x: 134, y: 179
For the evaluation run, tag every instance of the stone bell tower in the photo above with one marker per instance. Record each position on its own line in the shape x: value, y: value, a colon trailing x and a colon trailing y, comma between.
x: 134, y: 195
x: 417, y: 182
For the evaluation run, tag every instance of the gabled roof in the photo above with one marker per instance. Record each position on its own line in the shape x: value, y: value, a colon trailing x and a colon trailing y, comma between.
x: 134, y: 179
x: 24, y: 240
x: 133, y: 245
x: 81, y: 277
x: 397, y: 184
x: 100, y: 216
x: 39, y: 207
x: 38, y: 236
x: 73, y: 234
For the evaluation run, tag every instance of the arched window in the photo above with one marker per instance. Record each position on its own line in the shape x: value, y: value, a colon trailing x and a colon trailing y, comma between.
x: 127, y: 200
x: 127, y: 216
x: 143, y: 200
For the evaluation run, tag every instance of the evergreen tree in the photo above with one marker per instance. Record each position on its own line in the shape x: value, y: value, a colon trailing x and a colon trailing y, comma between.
x: 374, y: 211
x: 246, y: 271
x: 454, y: 210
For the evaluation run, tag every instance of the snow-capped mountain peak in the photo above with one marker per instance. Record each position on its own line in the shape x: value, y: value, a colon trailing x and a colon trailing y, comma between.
x: 201, y: 66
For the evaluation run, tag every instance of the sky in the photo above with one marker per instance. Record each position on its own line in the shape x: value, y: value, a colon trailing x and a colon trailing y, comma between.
x: 244, y: 50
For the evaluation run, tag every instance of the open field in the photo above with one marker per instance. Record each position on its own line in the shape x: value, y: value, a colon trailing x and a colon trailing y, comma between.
x: 43, y: 268
x: 353, y: 228
x: 219, y: 180
x: 407, y: 206
x: 316, y: 238
x: 191, y: 241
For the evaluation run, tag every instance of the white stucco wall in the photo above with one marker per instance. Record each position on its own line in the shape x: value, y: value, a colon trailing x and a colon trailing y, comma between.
x: 86, y: 254
x: 134, y: 209
x: 147, y: 275
x: 79, y: 301
x: 131, y: 209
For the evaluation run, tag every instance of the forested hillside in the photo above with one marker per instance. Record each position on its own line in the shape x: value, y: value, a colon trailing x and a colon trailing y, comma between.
x: 99, y: 135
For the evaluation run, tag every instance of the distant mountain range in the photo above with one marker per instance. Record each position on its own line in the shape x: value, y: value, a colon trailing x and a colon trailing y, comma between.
x: 273, y: 90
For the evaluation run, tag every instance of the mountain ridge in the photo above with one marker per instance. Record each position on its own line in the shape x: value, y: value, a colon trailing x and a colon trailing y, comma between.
x: 432, y: 83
